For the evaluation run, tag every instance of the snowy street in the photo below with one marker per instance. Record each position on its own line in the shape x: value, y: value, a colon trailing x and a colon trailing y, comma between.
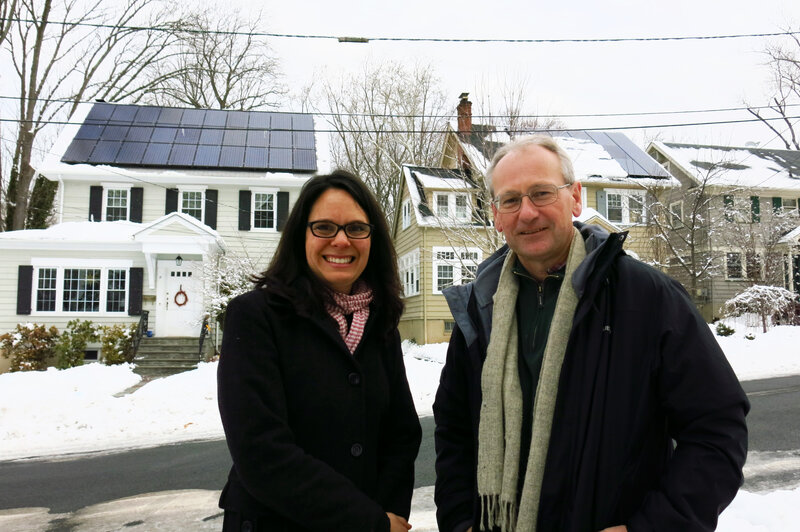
x: 84, y: 410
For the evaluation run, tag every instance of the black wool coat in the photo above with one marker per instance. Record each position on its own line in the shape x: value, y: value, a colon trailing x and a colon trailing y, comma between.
x: 641, y: 371
x: 321, y: 439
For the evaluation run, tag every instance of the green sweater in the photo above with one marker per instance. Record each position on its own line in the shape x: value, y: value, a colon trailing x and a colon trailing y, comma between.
x: 536, y: 303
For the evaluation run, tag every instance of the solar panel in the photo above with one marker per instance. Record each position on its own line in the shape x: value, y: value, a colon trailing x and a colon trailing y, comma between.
x: 234, y: 137
x: 280, y: 158
x: 123, y: 113
x: 258, y: 138
x: 131, y: 153
x: 115, y: 132
x: 169, y: 115
x: 211, y: 136
x: 207, y: 156
x: 156, y: 154
x: 140, y: 133
x: 303, y: 140
x: 105, y: 152
x: 255, y: 157
x: 193, y: 117
x: 89, y: 132
x: 165, y: 136
x: 100, y: 111
x: 188, y: 135
x: 280, y: 121
x: 238, y: 119
x: 182, y: 155
x: 79, y: 151
x: 231, y: 156
x: 302, y: 122
x: 304, y: 160
x: 280, y: 139
x: 215, y: 118
x: 147, y: 115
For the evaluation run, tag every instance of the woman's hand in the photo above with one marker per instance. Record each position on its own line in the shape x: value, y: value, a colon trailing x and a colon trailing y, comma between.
x: 620, y: 528
x: 397, y: 523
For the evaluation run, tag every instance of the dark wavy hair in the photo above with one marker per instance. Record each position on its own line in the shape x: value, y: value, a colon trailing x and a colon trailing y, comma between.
x: 290, y: 277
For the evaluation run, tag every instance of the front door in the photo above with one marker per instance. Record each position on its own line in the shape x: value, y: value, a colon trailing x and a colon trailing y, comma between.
x: 180, y: 301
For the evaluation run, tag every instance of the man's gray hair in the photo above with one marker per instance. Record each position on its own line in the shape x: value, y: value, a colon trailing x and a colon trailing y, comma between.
x: 545, y: 141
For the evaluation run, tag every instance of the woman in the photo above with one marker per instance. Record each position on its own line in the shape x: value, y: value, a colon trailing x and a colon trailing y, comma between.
x: 312, y: 389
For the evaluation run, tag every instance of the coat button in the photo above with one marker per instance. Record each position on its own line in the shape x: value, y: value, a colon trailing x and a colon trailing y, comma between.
x: 354, y: 379
x: 247, y: 526
x: 356, y: 450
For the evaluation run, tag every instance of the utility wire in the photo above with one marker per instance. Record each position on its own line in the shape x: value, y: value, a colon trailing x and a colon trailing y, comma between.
x: 411, y: 39
x: 474, y: 116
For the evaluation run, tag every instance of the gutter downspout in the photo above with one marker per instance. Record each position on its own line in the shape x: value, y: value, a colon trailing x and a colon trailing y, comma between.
x: 60, y: 199
x: 424, y: 288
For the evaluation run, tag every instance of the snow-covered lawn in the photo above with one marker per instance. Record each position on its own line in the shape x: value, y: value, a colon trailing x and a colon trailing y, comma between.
x: 76, y: 411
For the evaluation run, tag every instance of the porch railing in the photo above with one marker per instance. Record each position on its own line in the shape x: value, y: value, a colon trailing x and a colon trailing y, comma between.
x: 204, y: 330
x: 141, y: 330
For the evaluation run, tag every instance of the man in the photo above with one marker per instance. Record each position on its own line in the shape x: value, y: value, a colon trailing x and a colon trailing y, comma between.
x: 582, y: 390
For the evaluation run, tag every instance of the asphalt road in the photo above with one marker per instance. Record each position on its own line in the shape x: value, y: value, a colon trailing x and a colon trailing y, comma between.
x: 71, y: 483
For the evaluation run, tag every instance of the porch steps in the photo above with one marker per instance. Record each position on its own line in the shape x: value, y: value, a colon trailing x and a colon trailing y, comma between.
x: 163, y: 356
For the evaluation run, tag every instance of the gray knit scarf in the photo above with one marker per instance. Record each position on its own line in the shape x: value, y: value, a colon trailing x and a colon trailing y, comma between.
x: 501, y: 408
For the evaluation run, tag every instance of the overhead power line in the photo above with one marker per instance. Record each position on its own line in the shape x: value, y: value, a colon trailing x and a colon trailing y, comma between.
x: 474, y: 116
x: 366, y: 39
x: 411, y: 131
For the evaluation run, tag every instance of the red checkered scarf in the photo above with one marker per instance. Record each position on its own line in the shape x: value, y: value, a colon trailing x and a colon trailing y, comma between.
x: 356, y: 304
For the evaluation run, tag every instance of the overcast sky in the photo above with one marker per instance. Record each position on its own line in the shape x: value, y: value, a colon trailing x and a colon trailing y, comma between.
x: 562, y: 78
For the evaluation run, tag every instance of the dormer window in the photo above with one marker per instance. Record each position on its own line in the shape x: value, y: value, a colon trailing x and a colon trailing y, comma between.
x: 452, y: 206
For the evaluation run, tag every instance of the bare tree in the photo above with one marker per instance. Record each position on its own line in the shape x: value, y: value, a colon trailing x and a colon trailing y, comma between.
x: 218, y: 62
x: 383, y: 117
x: 67, y: 52
x: 8, y: 9
x: 784, y: 62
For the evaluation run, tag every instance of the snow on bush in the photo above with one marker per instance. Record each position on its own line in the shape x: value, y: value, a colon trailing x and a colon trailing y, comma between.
x: 769, y: 302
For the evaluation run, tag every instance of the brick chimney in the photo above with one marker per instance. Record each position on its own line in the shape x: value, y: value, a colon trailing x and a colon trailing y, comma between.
x: 464, y: 111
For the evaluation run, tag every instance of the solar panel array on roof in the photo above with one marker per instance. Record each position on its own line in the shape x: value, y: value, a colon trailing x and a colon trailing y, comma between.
x: 132, y: 135
x: 629, y: 156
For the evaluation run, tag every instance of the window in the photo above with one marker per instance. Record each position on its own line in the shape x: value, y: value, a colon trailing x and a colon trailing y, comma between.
x: 753, y: 266
x: 408, y: 265
x: 263, y: 210
x: 449, y: 326
x: 676, y: 212
x: 116, y: 204
x: 46, y: 290
x: 453, y: 206
x: 733, y: 265
x: 77, y: 287
x: 454, y: 266
x: 625, y: 206
x: 406, y: 213
x: 786, y: 206
x: 192, y: 203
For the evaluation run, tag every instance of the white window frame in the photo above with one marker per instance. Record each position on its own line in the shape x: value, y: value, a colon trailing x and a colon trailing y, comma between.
x: 625, y: 195
x: 406, y: 214
x: 742, y: 267
x: 202, y: 190
x: 409, y: 268
x: 60, y: 265
x: 792, y: 209
x: 107, y: 187
x: 274, y: 193
x: 452, y: 209
x: 457, y: 258
x: 676, y: 213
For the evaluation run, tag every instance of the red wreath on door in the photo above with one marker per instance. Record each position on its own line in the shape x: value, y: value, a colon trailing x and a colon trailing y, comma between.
x: 182, y: 295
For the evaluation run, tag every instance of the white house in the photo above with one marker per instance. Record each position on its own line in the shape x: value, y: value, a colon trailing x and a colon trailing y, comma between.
x: 146, y: 196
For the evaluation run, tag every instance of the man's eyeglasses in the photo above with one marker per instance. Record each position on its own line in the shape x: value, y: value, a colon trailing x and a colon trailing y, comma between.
x: 325, y: 229
x: 539, y: 195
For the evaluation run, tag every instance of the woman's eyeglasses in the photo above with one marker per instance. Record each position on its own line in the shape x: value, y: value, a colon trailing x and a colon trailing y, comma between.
x: 325, y: 229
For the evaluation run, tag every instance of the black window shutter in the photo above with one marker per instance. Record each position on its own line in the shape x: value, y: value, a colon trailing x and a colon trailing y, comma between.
x: 777, y: 205
x: 95, y: 204
x: 172, y: 201
x: 755, y: 208
x: 137, y: 195
x: 135, y: 292
x: 211, y: 208
x: 283, y: 209
x: 24, y: 284
x: 244, y: 210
